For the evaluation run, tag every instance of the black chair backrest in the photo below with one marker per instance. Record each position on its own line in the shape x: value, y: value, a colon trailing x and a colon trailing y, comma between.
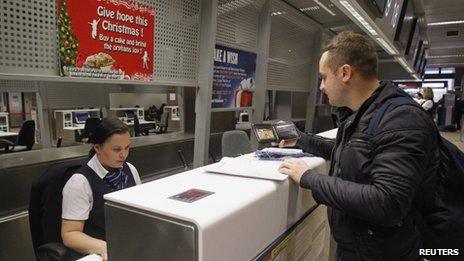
x: 136, y: 127
x: 45, y: 202
x: 90, y: 125
x: 164, y: 119
x: 58, y: 142
x: 26, y: 135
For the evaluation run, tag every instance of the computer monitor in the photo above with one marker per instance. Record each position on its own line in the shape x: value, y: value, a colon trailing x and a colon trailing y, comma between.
x: 406, y: 21
x: 130, y: 115
x: 120, y: 114
x: 81, y: 117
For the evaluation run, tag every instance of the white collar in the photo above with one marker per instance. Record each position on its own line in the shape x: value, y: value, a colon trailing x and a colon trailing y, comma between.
x: 96, y: 166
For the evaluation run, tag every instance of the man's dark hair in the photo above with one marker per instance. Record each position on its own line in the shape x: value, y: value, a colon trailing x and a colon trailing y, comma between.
x: 353, y: 49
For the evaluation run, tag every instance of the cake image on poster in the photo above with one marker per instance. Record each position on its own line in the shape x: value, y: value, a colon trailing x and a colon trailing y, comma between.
x: 244, y: 94
x: 100, y: 60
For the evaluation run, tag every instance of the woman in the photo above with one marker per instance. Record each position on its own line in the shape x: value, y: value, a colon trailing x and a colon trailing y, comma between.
x: 427, y: 102
x: 83, y: 221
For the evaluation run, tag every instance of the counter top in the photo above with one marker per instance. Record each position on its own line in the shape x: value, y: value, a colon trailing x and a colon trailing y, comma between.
x: 16, y: 159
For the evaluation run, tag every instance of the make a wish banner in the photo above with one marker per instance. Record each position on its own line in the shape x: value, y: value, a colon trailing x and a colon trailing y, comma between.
x: 233, y: 78
x: 111, y: 39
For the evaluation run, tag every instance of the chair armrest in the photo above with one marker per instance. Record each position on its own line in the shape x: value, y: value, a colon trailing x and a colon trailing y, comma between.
x: 53, y: 251
x: 4, y: 143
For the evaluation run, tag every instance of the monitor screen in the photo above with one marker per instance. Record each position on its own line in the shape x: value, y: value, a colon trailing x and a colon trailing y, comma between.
x: 421, y: 59
x: 130, y: 114
x: 81, y: 117
x: 403, y: 30
x: 417, y: 54
x: 265, y: 133
x: 413, y: 41
x: 422, y: 69
x: 120, y: 113
x: 391, y: 13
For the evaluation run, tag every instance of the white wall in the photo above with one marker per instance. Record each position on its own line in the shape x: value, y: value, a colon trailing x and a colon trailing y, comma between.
x: 144, y: 100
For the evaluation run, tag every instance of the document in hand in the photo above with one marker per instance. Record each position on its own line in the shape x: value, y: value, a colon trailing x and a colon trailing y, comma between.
x: 248, y: 166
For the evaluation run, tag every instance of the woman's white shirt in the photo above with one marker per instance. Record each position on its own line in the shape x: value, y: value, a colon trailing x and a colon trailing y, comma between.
x: 427, y: 105
x: 77, y: 193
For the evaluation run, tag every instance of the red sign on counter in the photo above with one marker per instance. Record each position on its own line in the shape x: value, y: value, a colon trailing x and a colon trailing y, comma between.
x: 110, y: 39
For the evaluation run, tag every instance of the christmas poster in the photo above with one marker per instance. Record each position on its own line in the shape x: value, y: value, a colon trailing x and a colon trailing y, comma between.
x: 233, y: 78
x: 111, y: 39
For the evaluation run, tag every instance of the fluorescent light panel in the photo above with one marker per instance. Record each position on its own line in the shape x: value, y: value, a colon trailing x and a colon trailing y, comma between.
x: 385, y: 45
x: 446, y: 56
x: 358, y: 17
x: 446, y: 23
x: 324, y: 7
x: 403, y: 63
x: 310, y: 8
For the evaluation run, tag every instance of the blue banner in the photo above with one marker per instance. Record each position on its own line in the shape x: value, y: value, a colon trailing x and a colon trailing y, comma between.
x: 233, y: 78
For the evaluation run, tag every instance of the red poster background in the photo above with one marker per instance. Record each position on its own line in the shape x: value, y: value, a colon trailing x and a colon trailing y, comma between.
x: 83, y: 12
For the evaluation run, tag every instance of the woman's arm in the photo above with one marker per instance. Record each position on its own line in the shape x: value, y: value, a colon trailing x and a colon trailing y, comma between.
x: 74, y: 238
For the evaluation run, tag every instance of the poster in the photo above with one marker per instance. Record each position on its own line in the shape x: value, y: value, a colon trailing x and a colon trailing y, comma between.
x: 111, y: 39
x: 233, y: 78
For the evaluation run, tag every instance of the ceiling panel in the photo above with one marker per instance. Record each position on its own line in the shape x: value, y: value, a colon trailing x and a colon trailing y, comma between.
x: 450, y: 49
x: 322, y: 11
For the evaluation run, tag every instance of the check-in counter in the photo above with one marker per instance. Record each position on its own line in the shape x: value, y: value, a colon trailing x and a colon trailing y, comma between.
x: 154, y: 156
x: 197, y: 215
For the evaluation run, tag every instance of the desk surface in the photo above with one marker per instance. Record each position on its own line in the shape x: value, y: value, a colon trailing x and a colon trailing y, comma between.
x: 5, y: 134
x: 81, y: 126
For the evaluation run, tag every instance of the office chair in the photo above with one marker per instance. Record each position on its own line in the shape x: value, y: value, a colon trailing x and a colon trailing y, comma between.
x: 45, y: 212
x: 235, y: 143
x: 25, y: 139
x: 141, y: 129
x: 89, y: 127
x: 162, y: 126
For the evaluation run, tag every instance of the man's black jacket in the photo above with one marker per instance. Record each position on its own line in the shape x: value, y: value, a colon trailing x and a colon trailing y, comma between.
x: 375, y: 188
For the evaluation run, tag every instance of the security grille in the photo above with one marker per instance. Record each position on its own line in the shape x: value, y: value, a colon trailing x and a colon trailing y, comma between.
x: 290, y: 49
x: 237, y: 24
x: 177, y: 35
x: 28, y: 37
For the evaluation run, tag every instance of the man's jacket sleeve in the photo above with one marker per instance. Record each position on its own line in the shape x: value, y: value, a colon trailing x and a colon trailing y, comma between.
x: 319, y: 146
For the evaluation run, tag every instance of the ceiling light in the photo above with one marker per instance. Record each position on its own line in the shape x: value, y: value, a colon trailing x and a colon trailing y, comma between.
x: 358, y: 17
x: 446, y: 23
x: 386, y: 46
x: 403, y: 63
x: 310, y: 8
x: 416, y: 77
x: 324, y: 7
x: 278, y: 13
x: 446, y: 56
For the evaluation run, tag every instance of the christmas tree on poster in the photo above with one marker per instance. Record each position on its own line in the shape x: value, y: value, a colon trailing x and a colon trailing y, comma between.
x: 68, y: 45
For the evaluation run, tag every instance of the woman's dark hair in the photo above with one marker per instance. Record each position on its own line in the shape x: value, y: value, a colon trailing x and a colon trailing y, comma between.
x: 107, y: 128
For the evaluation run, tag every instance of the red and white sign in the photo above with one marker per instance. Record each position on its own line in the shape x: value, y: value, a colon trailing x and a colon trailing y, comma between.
x: 111, y: 39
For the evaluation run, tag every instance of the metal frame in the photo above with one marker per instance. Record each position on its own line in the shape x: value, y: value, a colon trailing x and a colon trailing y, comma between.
x: 208, y: 25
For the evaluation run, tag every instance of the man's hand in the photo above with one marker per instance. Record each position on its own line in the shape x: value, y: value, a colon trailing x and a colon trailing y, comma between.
x: 288, y: 143
x: 285, y: 143
x: 294, y: 168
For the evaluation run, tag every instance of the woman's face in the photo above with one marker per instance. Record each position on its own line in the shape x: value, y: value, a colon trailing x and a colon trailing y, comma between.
x: 113, y: 153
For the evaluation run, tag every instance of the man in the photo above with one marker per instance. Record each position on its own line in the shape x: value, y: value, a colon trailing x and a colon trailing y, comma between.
x: 375, y: 186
